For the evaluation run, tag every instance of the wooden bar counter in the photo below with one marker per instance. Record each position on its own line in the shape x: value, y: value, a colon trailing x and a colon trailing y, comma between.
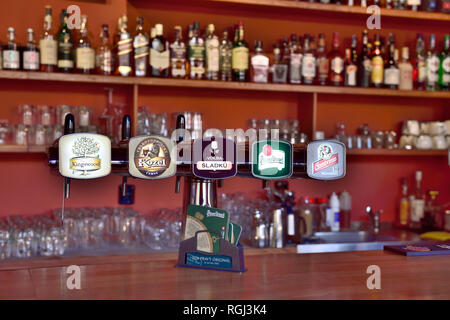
x: 272, y: 274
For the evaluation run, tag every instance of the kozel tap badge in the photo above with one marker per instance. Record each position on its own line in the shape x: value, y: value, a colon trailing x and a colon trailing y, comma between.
x: 214, y: 158
x: 151, y: 157
x: 271, y: 159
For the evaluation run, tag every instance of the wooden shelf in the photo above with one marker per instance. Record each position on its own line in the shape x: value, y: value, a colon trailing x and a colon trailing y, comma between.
x: 395, y: 152
x: 13, y: 148
x: 320, y: 7
x: 221, y: 85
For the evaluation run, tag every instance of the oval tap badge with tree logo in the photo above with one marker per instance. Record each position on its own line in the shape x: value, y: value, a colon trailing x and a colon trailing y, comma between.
x: 150, y: 157
x: 84, y: 155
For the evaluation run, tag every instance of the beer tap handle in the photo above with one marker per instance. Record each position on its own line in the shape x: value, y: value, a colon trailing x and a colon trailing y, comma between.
x: 69, y: 127
x: 181, y: 124
x: 126, y: 127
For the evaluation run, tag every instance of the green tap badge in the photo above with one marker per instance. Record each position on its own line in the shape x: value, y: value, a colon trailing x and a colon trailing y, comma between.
x: 271, y: 159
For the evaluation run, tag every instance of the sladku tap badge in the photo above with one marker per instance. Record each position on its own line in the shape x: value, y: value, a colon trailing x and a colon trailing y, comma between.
x: 84, y: 156
x: 271, y: 159
x: 214, y: 158
x: 150, y: 157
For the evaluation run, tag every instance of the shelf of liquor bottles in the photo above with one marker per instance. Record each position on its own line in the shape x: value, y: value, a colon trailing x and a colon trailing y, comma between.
x: 221, y: 85
x: 356, y: 9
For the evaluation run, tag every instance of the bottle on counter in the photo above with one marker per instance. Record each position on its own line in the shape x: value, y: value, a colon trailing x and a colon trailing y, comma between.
x: 333, y: 213
x: 417, y: 204
x: 225, y: 57
x: 240, y: 56
x: 212, y: 53
x: 404, y: 206
x: 47, y: 44
x: 178, y: 62
x: 159, y: 54
x: 432, y: 66
x: 11, y: 55
x: 295, y: 60
x: 65, y: 45
x: 322, y: 204
x: 104, y: 58
x: 30, y: 56
x: 196, y: 54
x: 123, y: 49
x: 85, y: 54
x: 306, y: 218
x: 259, y: 69
x: 444, y: 67
x: 345, y: 206
x: 336, y: 72
x: 406, y: 71
x: 141, y: 49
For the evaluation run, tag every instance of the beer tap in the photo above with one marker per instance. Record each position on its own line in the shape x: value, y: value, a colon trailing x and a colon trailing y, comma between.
x: 69, y: 127
x: 126, y: 135
x: 180, y: 126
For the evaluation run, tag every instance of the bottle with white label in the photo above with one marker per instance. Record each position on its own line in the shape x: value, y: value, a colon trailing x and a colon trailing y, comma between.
x: 212, y: 53
x: 30, y: 55
x: 48, y: 45
x: 259, y: 64
x: 308, y: 61
x: 413, y: 4
x: 159, y: 54
x: 391, y: 72
x: 333, y: 213
x: 11, y: 56
x: 417, y: 204
x: 85, y: 54
x: 432, y: 66
x: 406, y: 71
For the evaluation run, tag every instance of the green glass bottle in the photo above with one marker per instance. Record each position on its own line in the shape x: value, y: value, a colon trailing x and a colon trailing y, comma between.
x: 444, y: 65
x: 239, y: 56
x: 65, y: 45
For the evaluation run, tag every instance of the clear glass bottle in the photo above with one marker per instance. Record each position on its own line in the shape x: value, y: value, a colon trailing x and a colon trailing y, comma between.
x: 420, y: 70
x: 295, y: 60
x: 323, y: 65
x: 65, y: 45
x: 444, y: 66
x: 391, y: 71
x: 11, y: 55
x: 196, y: 54
x: 405, y: 71
x: 432, y: 65
x: 141, y: 49
x: 85, y: 54
x: 48, y: 45
x: 417, y: 204
x: 178, y: 62
x: 104, y: 57
x: 309, y: 61
x: 279, y: 68
x: 159, y: 54
x: 259, y: 69
x: 225, y: 57
x: 30, y: 56
x: 212, y: 53
x: 123, y: 49
x: 240, y: 56
x: 336, y: 72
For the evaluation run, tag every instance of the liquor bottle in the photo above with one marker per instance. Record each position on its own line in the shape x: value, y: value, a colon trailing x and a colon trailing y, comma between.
x: 285, y: 51
x: 308, y: 62
x: 159, y: 54
x: 432, y: 66
x: 178, y: 61
x: 295, y: 60
x: 259, y: 64
x: 406, y: 71
x: 141, y: 50
x: 336, y: 73
x: 403, y: 207
x: 391, y: 72
x: 30, y: 55
x: 85, y: 54
x: 123, y: 49
x: 48, y: 45
x: 65, y: 45
x: 196, y: 53
x: 279, y: 67
x: 104, y: 57
x: 350, y: 69
x: 376, y: 78
x: 413, y: 5
x: 225, y: 57
x: 444, y: 67
x: 417, y: 204
x: 322, y: 61
x: 11, y: 55
x: 429, y: 5
x: 419, y: 72
x: 239, y: 56
x: 212, y: 53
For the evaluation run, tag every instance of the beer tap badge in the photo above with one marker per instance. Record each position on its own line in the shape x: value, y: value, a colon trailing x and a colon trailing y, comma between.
x: 84, y: 156
x: 214, y: 158
x: 326, y: 159
x: 150, y: 157
x: 271, y: 159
